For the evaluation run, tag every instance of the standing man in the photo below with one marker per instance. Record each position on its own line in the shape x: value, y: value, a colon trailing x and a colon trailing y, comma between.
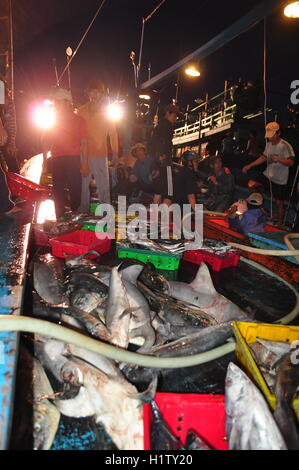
x: 161, y: 151
x: 67, y: 142
x: 279, y: 156
x: 221, y: 186
x: 99, y: 130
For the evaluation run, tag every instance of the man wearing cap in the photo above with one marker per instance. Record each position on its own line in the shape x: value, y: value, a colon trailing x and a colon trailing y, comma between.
x: 161, y: 150
x: 100, y: 132
x: 247, y: 216
x: 67, y: 142
x: 279, y: 156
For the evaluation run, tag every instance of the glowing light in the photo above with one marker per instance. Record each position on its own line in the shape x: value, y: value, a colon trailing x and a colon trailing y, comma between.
x: 48, y: 103
x: 192, y: 72
x: 46, y: 211
x: 292, y: 10
x: 69, y: 52
x: 115, y: 112
x: 44, y: 115
x: 145, y: 97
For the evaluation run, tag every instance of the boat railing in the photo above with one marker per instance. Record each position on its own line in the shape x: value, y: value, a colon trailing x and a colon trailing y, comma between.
x: 217, y: 119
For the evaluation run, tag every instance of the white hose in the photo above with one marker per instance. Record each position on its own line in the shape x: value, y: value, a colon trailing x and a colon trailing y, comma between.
x: 45, y: 328
x: 289, y: 244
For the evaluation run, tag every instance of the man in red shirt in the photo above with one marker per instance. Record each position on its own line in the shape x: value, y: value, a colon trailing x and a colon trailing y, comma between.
x: 67, y: 142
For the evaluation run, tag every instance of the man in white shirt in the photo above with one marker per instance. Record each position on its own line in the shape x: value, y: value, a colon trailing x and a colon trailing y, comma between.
x: 279, y: 156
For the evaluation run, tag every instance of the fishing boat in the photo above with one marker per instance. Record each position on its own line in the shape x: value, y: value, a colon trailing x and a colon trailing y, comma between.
x: 249, y: 285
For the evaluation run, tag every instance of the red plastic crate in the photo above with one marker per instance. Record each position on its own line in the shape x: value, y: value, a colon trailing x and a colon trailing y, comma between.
x: 80, y: 242
x: 204, y: 414
x: 217, y: 262
x: 26, y: 189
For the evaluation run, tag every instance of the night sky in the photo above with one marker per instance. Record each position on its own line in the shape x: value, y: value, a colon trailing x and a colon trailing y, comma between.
x: 44, y: 28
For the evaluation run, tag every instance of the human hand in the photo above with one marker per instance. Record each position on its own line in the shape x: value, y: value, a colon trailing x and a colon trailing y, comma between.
x: 242, y: 206
x: 213, y: 179
x: 246, y: 168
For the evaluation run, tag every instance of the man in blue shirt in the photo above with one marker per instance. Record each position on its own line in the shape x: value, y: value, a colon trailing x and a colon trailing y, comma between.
x: 142, y: 168
x: 247, y: 215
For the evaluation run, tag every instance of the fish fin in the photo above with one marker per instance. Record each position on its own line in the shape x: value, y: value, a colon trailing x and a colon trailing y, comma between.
x: 129, y: 311
x: 78, y: 407
x: 203, y: 282
x: 131, y: 273
x: 147, y: 332
x: 149, y: 394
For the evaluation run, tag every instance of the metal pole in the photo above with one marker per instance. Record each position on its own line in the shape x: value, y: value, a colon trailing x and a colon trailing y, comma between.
x: 225, y: 94
x: 55, y: 70
x: 11, y: 64
x: 141, y: 50
x: 291, y: 195
x: 69, y: 72
x: 177, y: 88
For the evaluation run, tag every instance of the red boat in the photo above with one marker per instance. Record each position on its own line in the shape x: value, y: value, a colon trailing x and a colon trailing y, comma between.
x: 217, y: 227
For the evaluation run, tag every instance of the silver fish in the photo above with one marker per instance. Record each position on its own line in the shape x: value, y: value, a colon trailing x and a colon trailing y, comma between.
x: 249, y: 423
x: 203, y: 340
x: 117, y: 315
x: 46, y: 416
x: 48, y: 279
x: 112, y: 400
x: 286, y: 385
x: 202, y: 294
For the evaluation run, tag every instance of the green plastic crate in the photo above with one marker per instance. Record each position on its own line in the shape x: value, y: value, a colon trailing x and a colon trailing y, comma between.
x: 93, y: 228
x: 159, y: 260
x: 93, y: 207
x: 169, y: 275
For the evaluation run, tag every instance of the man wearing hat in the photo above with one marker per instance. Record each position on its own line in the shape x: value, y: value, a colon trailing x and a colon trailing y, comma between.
x: 67, y: 142
x: 247, y: 216
x: 161, y: 151
x: 100, y: 131
x: 279, y: 156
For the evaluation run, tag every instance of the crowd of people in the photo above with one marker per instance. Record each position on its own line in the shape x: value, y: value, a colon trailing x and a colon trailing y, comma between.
x: 82, y: 139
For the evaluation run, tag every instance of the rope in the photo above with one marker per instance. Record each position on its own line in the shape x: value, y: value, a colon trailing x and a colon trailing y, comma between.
x: 82, y: 39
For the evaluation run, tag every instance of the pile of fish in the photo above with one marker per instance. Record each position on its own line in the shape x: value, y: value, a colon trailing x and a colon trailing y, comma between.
x: 124, y: 304
x: 130, y: 305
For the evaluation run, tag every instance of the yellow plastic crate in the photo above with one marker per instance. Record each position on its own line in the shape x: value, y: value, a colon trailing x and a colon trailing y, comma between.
x: 246, y: 333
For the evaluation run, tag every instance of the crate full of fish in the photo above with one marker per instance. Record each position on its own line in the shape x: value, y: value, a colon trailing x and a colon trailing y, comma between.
x: 218, y: 255
x: 185, y: 421
x: 160, y: 260
x: 270, y: 356
x: 79, y: 243
x: 25, y: 189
